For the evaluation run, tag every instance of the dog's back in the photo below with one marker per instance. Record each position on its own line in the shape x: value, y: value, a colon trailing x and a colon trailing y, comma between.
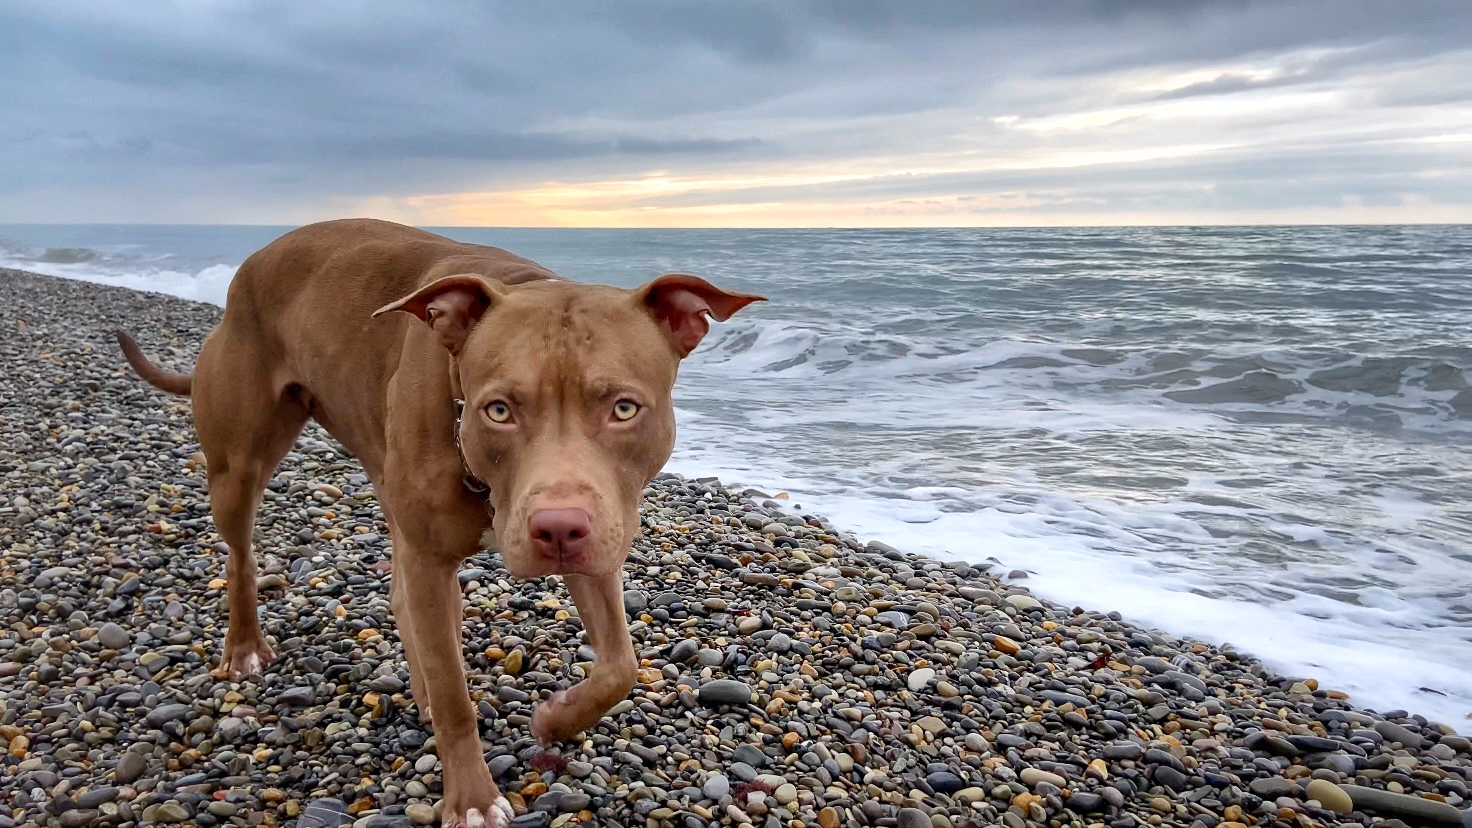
x: 330, y: 275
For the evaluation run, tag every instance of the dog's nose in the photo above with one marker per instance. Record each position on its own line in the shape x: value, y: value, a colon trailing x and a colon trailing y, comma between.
x: 558, y: 531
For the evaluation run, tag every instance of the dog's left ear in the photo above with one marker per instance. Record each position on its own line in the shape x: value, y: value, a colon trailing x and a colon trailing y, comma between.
x: 450, y: 306
x: 679, y: 302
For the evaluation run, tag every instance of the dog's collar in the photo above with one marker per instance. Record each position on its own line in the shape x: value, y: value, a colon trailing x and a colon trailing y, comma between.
x: 470, y: 481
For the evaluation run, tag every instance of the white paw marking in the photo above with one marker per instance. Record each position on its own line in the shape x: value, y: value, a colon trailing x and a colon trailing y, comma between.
x: 501, y: 813
x: 499, y: 816
x: 252, y: 664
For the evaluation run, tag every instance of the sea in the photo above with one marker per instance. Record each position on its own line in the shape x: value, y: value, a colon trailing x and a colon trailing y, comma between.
x: 1255, y: 436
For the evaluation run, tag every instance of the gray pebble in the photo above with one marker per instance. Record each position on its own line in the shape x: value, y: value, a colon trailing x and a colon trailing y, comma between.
x: 1397, y: 733
x: 131, y: 767
x: 387, y: 684
x: 914, y: 818
x: 165, y: 713
x: 500, y: 765
x: 635, y: 601
x: 113, y: 637
x: 684, y: 650
x: 97, y: 797
x: 724, y: 692
x: 716, y: 787
x: 1387, y: 803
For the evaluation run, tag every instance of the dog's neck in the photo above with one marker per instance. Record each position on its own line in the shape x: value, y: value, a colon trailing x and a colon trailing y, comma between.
x: 457, y: 389
x: 474, y: 484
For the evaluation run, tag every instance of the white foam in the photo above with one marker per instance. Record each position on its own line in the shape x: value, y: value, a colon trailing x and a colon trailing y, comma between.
x: 1402, y: 510
x: 1094, y: 554
x: 206, y: 285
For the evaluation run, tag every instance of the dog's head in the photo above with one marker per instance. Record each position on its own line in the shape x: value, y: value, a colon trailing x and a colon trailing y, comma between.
x: 568, y: 410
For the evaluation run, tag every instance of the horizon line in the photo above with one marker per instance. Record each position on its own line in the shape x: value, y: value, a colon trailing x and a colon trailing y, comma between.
x: 754, y: 227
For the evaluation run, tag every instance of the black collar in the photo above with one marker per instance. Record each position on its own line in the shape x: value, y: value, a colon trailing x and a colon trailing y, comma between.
x: 470, y: 481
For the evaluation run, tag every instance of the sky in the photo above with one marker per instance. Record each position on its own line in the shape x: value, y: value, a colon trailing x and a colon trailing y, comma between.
x: 747, y: 114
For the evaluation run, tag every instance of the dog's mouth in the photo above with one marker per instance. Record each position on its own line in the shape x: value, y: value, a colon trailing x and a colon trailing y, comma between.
x: 570, y: 563
x: 526, y: 555
x: 563, y: 561
x: 530, y: 563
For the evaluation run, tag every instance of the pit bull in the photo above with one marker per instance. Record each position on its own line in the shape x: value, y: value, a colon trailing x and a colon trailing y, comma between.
x: 481, y: 392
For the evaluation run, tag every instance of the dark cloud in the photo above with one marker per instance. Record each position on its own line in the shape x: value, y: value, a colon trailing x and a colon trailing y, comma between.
x: 170, y: 111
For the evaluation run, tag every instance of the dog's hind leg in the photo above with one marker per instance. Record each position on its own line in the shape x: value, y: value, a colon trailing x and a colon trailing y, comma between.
x: 246, y: 424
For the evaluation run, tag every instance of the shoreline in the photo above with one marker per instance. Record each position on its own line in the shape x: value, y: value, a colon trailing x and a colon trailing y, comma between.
x: 949, y: 696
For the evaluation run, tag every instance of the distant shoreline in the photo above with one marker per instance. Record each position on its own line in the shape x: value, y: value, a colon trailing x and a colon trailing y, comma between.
x: 813, y: 228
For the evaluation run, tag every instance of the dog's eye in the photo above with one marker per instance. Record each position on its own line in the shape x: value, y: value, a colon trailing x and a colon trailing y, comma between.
x: 625, y: 410
x: 499, y: 412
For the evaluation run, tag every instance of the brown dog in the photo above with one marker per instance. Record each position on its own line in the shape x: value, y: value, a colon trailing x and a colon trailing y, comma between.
x: 567, y: 416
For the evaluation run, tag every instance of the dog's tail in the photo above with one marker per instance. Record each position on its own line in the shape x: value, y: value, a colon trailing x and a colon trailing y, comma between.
x: 167, y: 381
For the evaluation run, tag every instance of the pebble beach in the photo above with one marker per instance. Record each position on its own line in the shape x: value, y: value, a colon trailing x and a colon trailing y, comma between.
x: 792, y: 674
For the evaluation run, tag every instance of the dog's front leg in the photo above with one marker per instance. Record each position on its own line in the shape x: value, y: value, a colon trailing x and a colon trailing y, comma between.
x: 432, y: 596
x: 600, y: 603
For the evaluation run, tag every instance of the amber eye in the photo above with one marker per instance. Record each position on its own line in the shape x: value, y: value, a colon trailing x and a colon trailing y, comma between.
x: 625, y: 410
x: 499, y: 412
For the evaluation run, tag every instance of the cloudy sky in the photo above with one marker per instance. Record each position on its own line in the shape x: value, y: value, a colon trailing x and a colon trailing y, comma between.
x: 783, y: 113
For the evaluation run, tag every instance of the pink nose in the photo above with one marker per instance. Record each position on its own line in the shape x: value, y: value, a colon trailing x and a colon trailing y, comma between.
x: 560, y: 531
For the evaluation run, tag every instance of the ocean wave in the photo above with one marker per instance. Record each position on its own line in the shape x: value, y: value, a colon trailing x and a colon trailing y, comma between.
x: 68, y: 255
x: 122, y: 269
x: 1409, y: 391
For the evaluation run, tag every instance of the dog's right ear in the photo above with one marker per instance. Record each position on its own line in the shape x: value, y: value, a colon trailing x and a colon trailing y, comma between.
x: 450, y: 306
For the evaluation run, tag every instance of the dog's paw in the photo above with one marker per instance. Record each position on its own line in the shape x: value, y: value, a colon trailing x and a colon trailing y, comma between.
x: 554, y: 720
x: 499, y: 815
x: 471, y: 798
x: 249, y: 664
x: 243, y: 660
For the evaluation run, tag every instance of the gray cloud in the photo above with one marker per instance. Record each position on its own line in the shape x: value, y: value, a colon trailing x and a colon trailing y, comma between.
x: 274, y: 111
x: 1228, y: 83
